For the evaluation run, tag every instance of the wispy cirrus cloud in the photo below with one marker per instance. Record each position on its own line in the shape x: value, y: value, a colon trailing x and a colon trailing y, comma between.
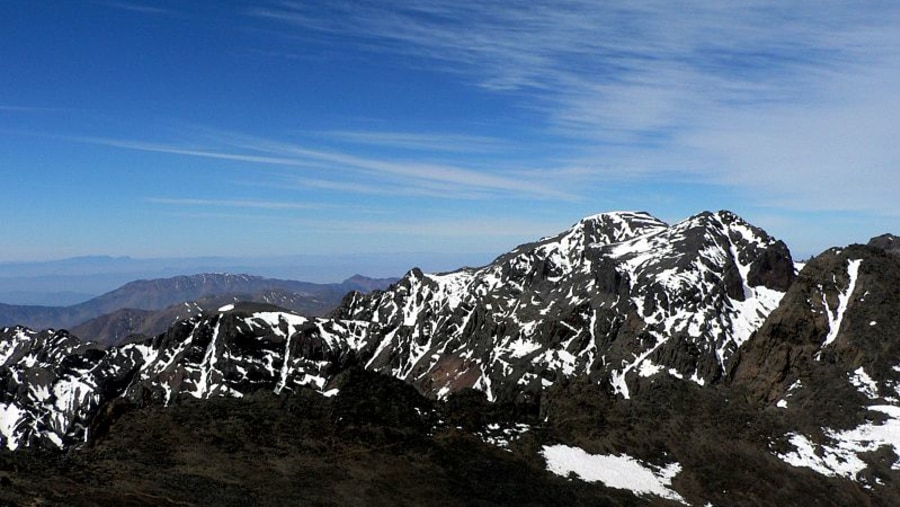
x: 349, y: 172
x: 641, y: 60
x: 28, y: 109
x: 415, y: 141
x: 231, y: 203
x: 142, y: 8
x: 189, y: 151
x: 763, y: 96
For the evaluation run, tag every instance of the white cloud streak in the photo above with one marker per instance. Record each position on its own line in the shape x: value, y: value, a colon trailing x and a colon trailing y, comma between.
x: 28, y: 109
x: 791, y: 102
x: 139, y: 8
x: 271, y: 205
x: 349, y: 172
x: 420, y: 142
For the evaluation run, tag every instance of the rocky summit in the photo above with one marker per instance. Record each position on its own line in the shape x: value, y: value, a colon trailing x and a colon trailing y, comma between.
x: 621, y: 296
x: 623, y: 361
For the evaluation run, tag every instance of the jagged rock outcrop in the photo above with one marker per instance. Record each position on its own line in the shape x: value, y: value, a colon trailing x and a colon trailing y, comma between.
x: 841, y: 313
x: 51, y: 383
x: 828, y: 359
x: 887, y: 242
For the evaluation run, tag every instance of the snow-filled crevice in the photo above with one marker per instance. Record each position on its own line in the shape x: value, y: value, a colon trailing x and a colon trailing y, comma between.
x: 836, y: 317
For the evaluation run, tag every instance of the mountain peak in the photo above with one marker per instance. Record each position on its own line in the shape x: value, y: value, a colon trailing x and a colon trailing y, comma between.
x: 887, y: 242
x: 625, y: 283
x: 621, y: 216
x: 613, y: 227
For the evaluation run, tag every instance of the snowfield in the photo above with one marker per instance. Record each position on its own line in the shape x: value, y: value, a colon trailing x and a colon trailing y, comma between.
x: 621, y: 472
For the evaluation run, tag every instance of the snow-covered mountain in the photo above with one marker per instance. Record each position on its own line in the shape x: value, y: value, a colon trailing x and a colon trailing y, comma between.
x: 54, y: 383
x: 691, y: 354
x: 619, y: 295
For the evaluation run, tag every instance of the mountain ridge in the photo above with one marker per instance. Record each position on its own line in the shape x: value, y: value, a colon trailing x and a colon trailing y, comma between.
x: 616, y: 339
x: 160, y: 293
x: 590, y: 268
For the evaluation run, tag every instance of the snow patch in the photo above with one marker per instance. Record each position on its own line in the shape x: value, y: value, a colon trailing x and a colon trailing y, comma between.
x: 864, y: 383
x: 621, y: 472
x: 835, y: 318
x: 522, y: 347
x: 648, y: 369
x: 499, y: 436
x: 9, y: 419
x: 274, y: 319
x: 841, y: 458
x: 227, y: 308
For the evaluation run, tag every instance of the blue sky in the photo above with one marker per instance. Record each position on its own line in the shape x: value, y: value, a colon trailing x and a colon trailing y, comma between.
x: 173, y: 129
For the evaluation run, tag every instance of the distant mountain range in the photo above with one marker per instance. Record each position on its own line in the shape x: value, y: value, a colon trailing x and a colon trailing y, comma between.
x: 686, y: 364
x: 149, y: 307
x: 65, y: 282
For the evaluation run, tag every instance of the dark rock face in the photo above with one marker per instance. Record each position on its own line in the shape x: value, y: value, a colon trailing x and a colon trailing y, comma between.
x: 52, y: 384
x: 887, y: 242
x: 841, y: 313
x: 238, y: 352
x: 828, y: 359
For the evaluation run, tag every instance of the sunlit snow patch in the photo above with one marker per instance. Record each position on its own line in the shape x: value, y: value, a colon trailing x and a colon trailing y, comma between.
x: 621, y: 472
x: 841, y: 457
x: 836, y: 317
x: 501, y: 436
x: 10, y: 415
x: 864, y: 383
x: 226, y: 308
x: 648, y: 369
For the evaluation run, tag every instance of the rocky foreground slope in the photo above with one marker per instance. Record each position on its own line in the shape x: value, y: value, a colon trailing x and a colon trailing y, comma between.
x: 689, y: 359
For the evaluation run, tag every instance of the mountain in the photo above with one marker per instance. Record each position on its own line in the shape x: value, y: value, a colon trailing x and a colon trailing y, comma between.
x: 160, y: 294
x: 43, y: 298
x: 113, y: 328
x: 829, y: 358
x: 887, y: 242
x: 619, y: 295
x: 39, y: 282
x: 658, y: 364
